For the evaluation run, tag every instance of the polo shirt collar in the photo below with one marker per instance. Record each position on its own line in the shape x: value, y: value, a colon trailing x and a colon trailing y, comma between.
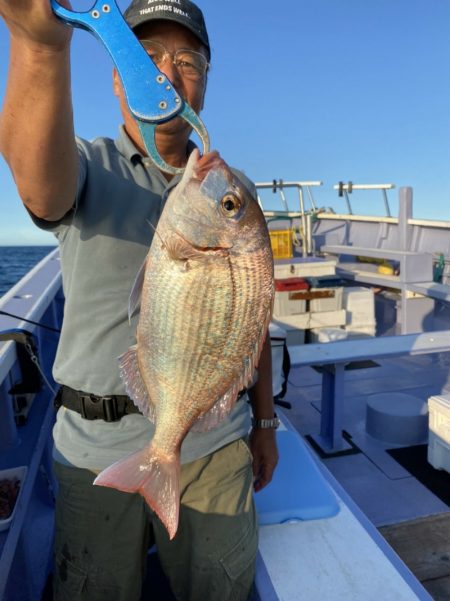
x: 127, y: 148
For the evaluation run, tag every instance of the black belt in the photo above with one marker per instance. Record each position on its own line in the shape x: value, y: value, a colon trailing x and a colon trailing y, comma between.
x: 90, y: 406
x: 110, y: 408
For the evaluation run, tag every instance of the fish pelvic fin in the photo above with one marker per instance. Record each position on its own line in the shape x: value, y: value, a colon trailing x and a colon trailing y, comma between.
x: 218, y: 411
x: 224, y: 404
x: 156, y: 477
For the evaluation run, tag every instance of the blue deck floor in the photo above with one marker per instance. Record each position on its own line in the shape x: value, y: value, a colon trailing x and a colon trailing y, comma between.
x: 382, y: 488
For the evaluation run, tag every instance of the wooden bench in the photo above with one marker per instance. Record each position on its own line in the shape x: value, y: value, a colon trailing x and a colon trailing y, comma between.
x: 334, y: 356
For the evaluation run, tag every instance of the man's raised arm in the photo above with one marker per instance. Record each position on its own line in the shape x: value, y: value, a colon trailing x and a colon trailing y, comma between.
x: 36, y: 123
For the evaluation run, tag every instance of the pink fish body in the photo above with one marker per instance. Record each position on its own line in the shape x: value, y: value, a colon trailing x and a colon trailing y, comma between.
x: 206, y: 302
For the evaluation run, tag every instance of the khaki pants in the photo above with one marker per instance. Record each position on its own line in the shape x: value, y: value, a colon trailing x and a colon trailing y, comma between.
x: 103, y: 535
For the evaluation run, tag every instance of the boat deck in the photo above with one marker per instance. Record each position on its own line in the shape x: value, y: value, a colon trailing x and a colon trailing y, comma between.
x: 414, y: 519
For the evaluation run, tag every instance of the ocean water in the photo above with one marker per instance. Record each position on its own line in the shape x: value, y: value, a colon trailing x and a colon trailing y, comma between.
x: 16, y: 261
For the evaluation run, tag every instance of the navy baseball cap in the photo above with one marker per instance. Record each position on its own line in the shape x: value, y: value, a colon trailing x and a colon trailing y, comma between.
x: 184, y: 12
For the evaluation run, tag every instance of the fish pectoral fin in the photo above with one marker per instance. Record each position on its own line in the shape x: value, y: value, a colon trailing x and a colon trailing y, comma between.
x: 156, y: 477
x: 134, y: 384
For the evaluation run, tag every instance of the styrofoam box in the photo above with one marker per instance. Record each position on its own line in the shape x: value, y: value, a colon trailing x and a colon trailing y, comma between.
x: 284, y: 305
x: 327, y: 334
x: 367, y: 329
x: 360, y: 333
x: 19, y: 473
x: 439, y: 416
x: 439, y: 432
x: 294, y: 334
x: 306, y: 321
x: 304, y: 267
x: 359, y: 302
x: 438, y: 453
x: 333, y: 303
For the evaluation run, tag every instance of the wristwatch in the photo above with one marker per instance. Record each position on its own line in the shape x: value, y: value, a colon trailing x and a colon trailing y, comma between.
x: 265, y: 424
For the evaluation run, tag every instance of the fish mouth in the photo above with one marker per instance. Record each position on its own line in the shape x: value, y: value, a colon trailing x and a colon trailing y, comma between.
x: 223, y: 250
x: 220, y: 247
x: 181, y: 249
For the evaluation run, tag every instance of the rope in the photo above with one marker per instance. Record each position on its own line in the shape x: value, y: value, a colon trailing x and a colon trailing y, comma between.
x: 36, y: 323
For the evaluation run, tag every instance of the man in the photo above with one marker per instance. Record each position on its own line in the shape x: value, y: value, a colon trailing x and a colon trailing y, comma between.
x: 97, y: 199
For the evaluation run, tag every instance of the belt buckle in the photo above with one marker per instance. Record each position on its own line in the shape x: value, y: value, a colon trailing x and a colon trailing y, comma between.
x: 110, y: 409
x: 96, y: 407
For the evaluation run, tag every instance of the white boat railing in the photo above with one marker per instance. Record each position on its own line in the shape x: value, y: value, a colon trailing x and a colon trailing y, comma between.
x: 345, y: 189
x: 304, y: 215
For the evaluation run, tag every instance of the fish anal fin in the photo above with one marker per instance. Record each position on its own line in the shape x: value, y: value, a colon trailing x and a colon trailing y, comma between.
x: 156, y: 477
x: 134, y: 384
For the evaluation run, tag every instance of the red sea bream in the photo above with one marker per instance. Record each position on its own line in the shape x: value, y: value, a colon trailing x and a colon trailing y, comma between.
x: 206, y: 301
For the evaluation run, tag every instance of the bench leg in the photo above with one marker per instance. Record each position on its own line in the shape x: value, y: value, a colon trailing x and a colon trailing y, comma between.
x: 330, y: 438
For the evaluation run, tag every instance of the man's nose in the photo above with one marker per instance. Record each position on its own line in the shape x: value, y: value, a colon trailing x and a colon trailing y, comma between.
x: 170, y: 71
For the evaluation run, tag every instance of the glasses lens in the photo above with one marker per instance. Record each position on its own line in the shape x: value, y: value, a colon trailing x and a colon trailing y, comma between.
x: 191, y: 64
x: 155, y: 50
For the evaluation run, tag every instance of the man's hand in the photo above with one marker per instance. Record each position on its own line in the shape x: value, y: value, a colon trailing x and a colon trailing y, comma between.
x: 265, y: 456
x: 33, y: 23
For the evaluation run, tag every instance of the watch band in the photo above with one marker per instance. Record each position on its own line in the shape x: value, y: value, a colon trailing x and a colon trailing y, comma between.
x: 264, y: 424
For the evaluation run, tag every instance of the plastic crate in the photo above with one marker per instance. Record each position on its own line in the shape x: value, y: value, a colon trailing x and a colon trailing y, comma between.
x: 327, y: 281
x: 281, y: 242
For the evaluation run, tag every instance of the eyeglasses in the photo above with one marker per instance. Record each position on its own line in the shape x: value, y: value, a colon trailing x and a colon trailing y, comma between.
x: 191, y: 65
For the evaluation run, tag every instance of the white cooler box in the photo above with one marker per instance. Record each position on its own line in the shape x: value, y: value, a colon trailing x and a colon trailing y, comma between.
x: 304, y: 267
x: 277, y: 342
x: 439, y: 432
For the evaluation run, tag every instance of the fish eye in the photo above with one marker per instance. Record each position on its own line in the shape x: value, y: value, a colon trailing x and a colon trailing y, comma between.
x: 230, y: 205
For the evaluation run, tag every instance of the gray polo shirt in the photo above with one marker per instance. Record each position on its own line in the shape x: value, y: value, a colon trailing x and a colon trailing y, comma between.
x: 103, y: 242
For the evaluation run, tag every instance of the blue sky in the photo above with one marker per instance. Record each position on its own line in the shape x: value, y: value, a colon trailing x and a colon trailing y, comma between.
x: 324, y: 90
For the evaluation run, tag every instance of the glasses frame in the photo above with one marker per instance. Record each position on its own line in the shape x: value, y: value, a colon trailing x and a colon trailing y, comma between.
x: 173, y: 58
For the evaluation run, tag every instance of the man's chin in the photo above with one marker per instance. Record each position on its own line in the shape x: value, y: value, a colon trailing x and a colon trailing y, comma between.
x: 174, y: 126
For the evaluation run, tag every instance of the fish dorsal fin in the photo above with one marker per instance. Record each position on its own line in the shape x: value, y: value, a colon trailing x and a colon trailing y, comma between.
x: 134, y: 384
x: 135, y: 295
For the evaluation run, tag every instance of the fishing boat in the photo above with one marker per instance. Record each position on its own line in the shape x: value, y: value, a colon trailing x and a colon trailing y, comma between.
x: 359, y: 508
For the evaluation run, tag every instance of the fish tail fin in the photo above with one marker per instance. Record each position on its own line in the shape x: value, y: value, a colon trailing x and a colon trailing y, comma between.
x: 154, y: 476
